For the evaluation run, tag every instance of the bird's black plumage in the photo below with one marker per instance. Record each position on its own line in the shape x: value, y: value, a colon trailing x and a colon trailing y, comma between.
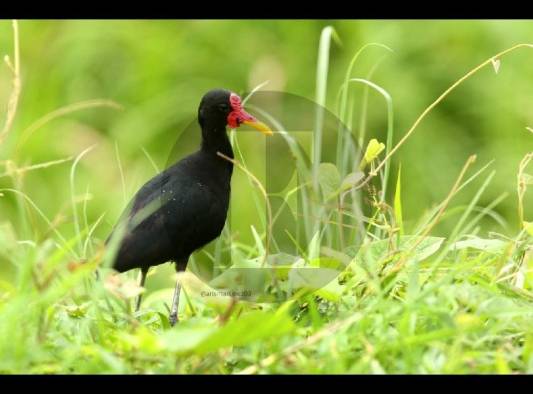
x: 184, y: 207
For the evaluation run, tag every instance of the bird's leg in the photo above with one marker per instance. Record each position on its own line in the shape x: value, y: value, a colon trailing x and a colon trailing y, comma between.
x: 144, y: 272
x: 173, y: 318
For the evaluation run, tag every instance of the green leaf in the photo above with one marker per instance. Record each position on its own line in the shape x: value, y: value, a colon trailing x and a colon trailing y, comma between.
x: 376, y: 253
x: 187, y: 335
x: 351, y: 180
x: 486, y: 245
x: 329, y: 180
x: 327, y: 262
x: 164, y: 320
x: 247, y: 328
x: 426, y: 248
x: 251, y: 278
x: 336, y: 255
x: 331, y: 292
x: 282, y: 259
x: 200, y: 336
x: 281, y: 264
x: 311, y: 278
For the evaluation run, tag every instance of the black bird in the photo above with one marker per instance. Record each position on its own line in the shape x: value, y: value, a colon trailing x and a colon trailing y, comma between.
x: 184, y: 207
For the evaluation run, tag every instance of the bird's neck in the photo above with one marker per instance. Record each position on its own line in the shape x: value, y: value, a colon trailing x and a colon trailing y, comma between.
x: 214, y: 140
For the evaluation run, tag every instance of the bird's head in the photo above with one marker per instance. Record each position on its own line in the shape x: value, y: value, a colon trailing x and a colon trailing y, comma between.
x: 220, y: 108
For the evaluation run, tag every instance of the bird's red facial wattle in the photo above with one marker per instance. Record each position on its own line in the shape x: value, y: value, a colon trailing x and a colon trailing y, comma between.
x: 239, y: 116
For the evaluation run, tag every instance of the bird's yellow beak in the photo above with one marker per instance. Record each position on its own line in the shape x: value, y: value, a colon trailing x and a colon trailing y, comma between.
x: 239, y: 116
x: 263, y: 128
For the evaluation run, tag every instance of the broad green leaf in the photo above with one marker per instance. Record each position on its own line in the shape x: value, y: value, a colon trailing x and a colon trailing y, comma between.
x: 327, y: 262
x: 331, y: 292
x: 311, y: 278
x: 187, y: 335
x: 329, y: 179
x: 487, y: 245
x: 282, y: 259
x: 251, y: 327
x: 426, y: 248
x: 336, y: 255
x: 351, y: 180
x: 252, y: 279
x: 281, y: 264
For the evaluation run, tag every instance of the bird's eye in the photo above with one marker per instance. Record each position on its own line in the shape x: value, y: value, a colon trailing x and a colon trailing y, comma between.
x: 223, y: 107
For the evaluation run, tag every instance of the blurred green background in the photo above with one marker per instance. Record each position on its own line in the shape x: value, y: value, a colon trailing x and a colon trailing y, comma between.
x: 158, y: 70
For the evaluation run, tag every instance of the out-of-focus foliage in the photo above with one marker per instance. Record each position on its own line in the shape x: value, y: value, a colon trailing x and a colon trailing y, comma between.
x: 457, y: 301
x: 158, y: 70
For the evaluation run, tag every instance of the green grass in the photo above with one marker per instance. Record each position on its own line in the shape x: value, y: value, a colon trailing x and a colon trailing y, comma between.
x: 403, y: 299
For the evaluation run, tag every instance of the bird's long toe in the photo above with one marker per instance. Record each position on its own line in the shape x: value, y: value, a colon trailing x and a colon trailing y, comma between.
x: 173, y: 319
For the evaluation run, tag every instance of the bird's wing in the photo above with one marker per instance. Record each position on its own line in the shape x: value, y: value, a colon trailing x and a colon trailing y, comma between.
x: 170, y: 216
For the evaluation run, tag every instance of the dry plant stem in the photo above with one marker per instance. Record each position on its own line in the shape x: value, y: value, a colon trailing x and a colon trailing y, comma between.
x: 15, y: 93
x: 265, y: 195
x: 521, y: 186
x: 22, y: 170
x: 326, y: 331
x: 72, y: 194
x: 433, y: 105
x: 438, y: 216
x: 340, y: 207
x: 229, y: 311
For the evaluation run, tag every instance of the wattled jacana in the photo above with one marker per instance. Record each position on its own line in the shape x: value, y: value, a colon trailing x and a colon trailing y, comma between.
x: 184, y: 207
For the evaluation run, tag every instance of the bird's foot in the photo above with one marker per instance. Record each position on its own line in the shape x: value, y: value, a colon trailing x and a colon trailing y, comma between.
x: 173, y: 319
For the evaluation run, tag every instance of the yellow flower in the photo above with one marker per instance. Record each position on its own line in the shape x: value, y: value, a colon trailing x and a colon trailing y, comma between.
x: 373, y: 149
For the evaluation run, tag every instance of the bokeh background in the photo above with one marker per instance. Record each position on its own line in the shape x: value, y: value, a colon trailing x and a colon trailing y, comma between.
x: 158, y: 70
